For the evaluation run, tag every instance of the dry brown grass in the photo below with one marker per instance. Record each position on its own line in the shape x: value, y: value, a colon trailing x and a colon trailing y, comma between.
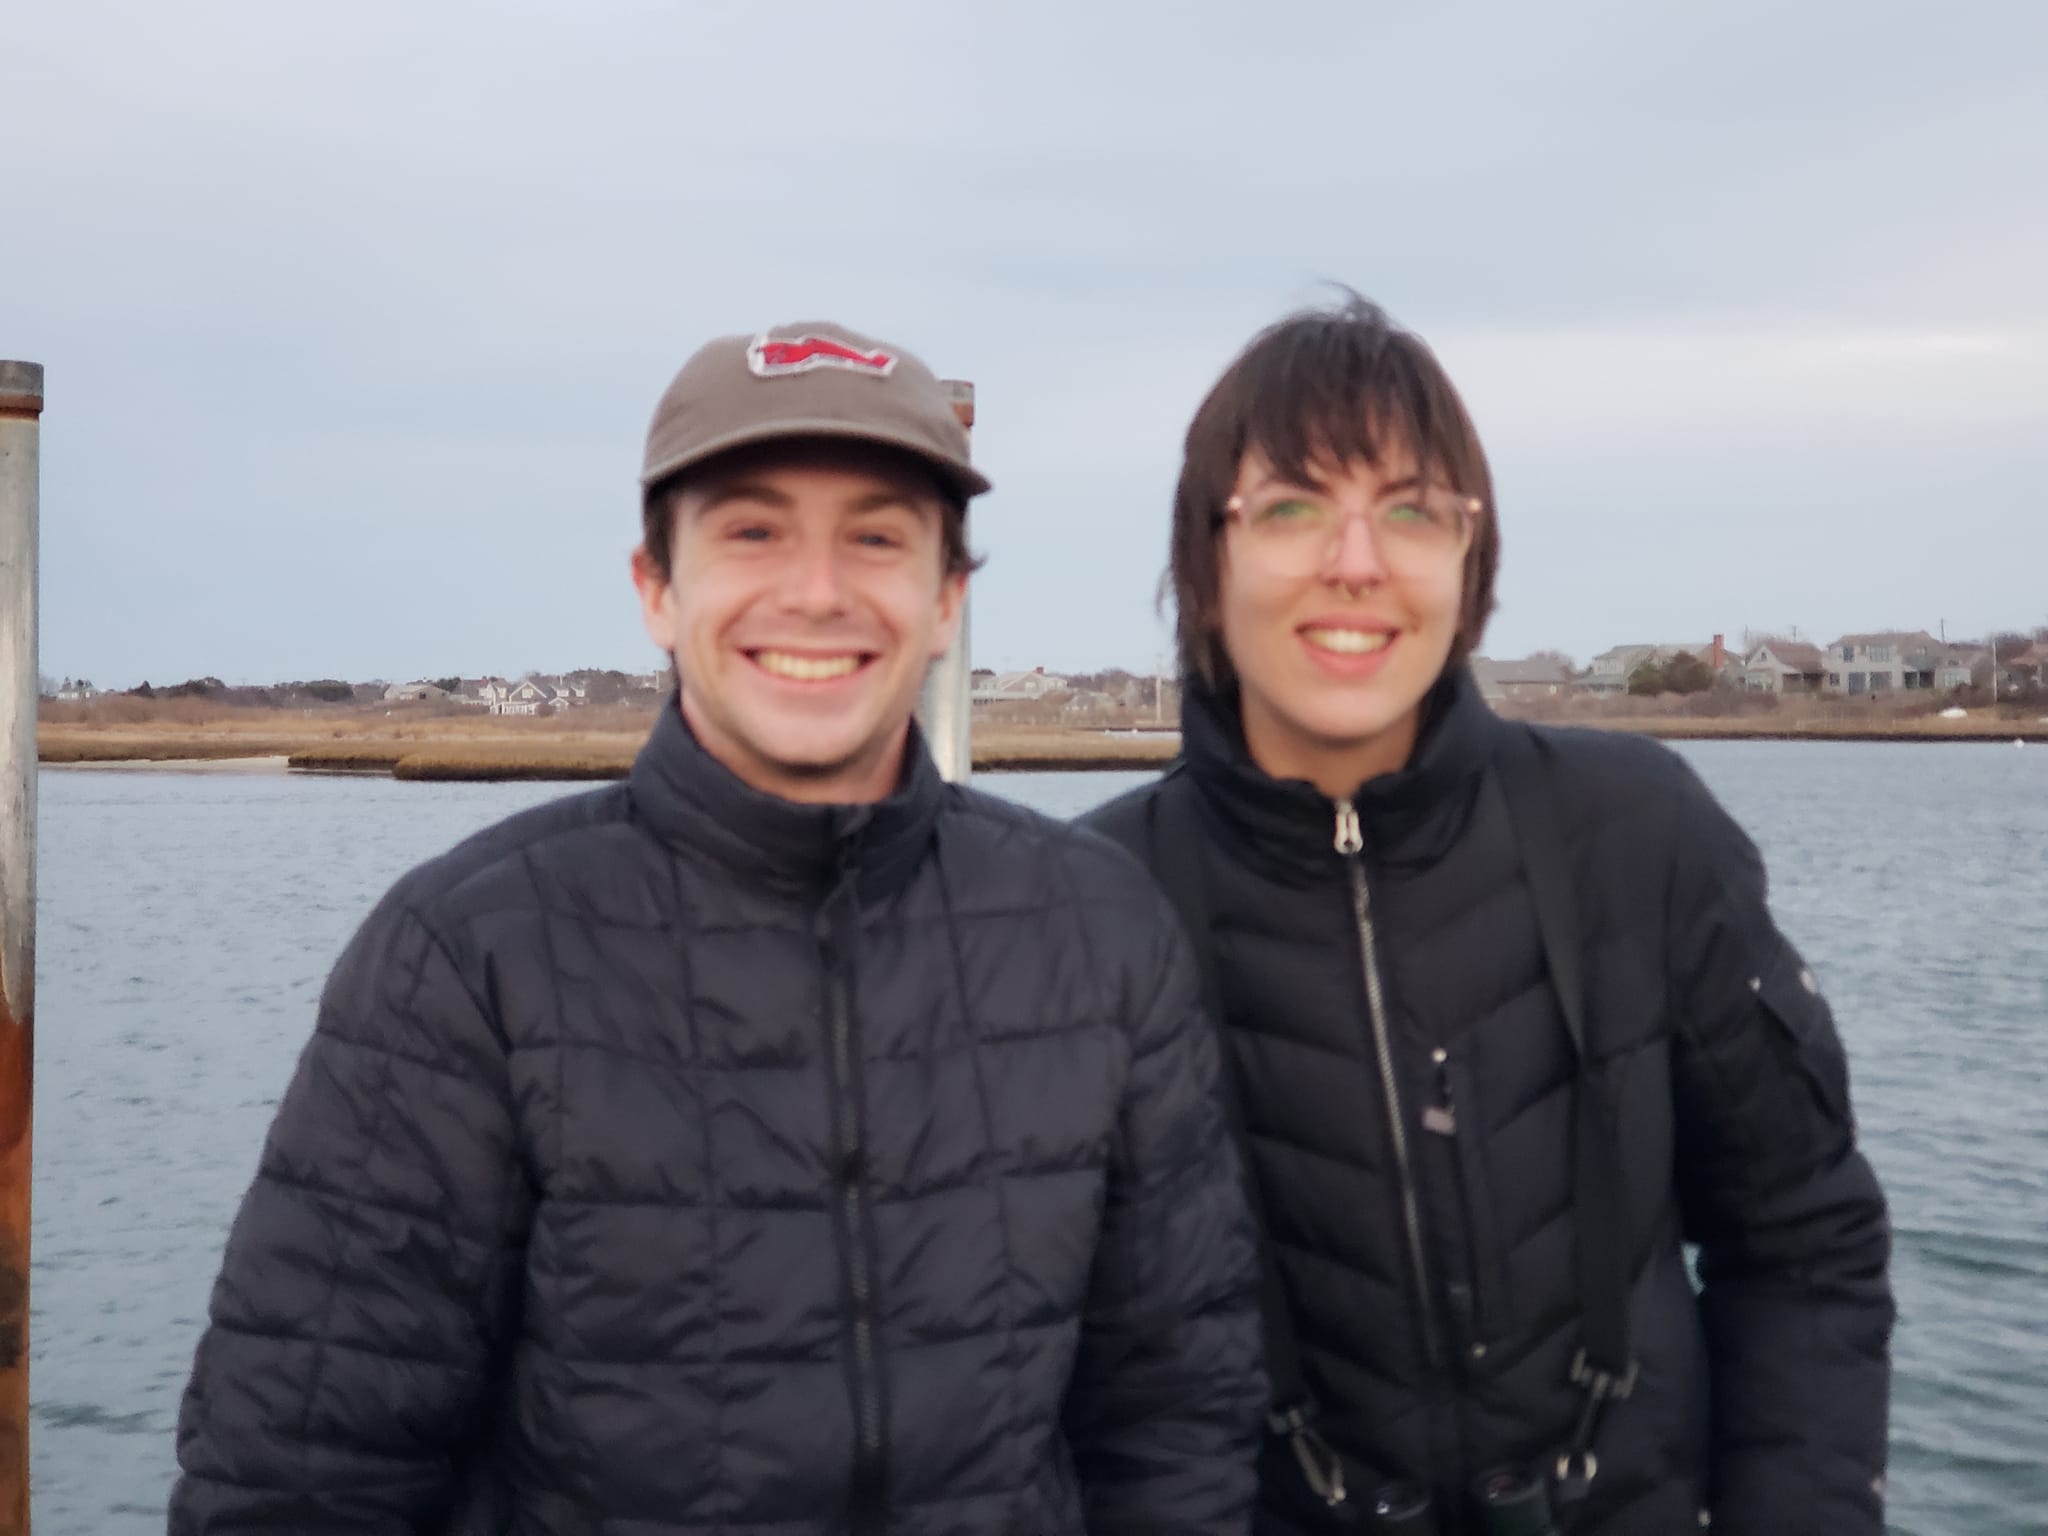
x: 1021, y: 748
x: 533, y: 761
x: 362, y: 758
x: 445, y: 743
x: 587, y: 758
x: 124, y: 729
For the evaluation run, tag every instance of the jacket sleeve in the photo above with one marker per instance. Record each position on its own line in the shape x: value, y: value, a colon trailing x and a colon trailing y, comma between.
x: 368, y: 1271
x: 1168, y: 1395
x: 1792, y: 1228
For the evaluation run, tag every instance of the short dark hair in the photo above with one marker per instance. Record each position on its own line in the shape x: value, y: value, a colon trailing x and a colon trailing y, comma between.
x: 1323, y: 386
x: 658, y: 506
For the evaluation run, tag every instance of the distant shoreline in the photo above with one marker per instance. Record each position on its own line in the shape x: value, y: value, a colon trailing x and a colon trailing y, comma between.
x: 557, y: 751
x: 222, y: 765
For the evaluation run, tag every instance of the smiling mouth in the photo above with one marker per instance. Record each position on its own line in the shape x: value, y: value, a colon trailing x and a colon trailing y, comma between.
x: 1348, y: 642
x: 809, y: 669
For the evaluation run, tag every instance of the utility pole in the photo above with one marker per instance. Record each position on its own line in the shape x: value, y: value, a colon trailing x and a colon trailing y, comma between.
x: 21, y: 412
x: 945, y: 709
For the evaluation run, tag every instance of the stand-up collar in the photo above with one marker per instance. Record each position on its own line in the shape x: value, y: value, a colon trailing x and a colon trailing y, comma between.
x: 1412, y: 815
x: 693, y: 801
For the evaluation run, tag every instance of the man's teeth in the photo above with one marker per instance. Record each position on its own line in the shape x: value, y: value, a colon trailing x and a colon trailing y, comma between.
x: 1354, y: 642
x: 806, y: 669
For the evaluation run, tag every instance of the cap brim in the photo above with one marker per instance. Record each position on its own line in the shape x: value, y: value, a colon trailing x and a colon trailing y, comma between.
x: 964, y: 478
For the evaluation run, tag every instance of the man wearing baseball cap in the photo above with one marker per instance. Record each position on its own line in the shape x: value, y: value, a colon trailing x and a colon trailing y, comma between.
x: 781, y: 1141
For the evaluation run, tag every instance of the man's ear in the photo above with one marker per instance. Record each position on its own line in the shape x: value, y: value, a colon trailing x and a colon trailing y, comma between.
x: 952, y: 608
x: 657, y: 600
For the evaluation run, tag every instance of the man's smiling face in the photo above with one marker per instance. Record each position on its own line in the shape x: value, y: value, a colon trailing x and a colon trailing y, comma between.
x: 806, y: 597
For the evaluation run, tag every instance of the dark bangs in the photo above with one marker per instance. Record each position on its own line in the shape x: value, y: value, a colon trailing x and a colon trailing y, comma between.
x: 1321, y: 390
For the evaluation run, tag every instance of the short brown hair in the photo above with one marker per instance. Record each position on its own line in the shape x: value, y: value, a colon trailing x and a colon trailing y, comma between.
x: 1326, y: 386
x: 658, y: 506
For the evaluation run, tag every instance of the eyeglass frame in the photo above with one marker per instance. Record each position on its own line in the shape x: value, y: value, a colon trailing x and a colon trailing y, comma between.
x: 1472, y: 508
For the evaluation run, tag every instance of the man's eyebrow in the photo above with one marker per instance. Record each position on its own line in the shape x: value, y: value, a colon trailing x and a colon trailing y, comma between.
x: 724, y: 492
x: 894, y: 496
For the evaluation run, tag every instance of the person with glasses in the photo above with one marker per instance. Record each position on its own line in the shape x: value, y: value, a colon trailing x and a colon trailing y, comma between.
x: 1511, y: 1027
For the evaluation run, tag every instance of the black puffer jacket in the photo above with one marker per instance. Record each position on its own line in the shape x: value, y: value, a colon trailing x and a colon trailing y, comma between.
x: 673, y: 1159
x: 1765, y: 1397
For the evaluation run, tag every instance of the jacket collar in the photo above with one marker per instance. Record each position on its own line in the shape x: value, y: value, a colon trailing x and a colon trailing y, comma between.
x: 1410, y: 816
x: 693, y: 802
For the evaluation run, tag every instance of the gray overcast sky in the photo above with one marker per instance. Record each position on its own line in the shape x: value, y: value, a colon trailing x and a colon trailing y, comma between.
x: 354, y: 315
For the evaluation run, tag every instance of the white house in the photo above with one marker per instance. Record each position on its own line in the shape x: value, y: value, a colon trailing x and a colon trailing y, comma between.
x: 1530, y: 679
x: 414, y: 693
x: 1893, y: 661
x: 1014, y: 687
x: 1784, y: 666
x: 1958, y: 668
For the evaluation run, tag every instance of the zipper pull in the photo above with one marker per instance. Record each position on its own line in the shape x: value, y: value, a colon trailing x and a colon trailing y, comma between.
x: 1441, y: 1118
x: 1350, y: 839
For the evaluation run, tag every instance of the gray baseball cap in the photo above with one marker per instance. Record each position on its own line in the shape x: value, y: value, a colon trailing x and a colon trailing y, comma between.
x: 813, y: 379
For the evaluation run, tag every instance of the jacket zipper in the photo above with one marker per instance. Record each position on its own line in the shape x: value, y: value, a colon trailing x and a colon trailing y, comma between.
x: 1441, y: 1119
x: 869, y: 1459
x: 1351, y: 844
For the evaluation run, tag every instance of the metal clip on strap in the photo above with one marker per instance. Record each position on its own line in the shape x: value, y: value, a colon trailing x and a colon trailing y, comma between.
x: 1578, y: 1466
x: 1320, y: 1466
x: 1601, y: 1385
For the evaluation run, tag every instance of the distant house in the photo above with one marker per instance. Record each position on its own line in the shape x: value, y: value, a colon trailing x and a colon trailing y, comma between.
x: 1613, y: 670
x: 1528, y: 679
x: 1784, y: 666
x: 75, y: 691
x: 1959, y: 667
x: 1890, y: 662
x: 1015, y: 687
x: 524, y: 697
x: 1092, y: 702
x: 414, y: 693
x: 2023, y: 671
x: 528, y: 696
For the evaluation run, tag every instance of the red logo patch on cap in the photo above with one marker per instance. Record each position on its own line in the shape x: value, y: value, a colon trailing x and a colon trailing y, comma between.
x: 770, y: 357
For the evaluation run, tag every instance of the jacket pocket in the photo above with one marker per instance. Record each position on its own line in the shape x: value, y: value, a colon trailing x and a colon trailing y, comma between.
x: 1477, y: 1282
x: 1802, y: 1033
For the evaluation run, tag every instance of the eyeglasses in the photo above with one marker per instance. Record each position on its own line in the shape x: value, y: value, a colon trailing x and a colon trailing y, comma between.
x: 1293, y: 531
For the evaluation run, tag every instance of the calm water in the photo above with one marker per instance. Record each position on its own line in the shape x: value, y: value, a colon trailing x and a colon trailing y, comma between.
x: 188, y: 921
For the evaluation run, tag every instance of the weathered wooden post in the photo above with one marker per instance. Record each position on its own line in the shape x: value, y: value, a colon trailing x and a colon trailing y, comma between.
x: 21, y: 410
x: 946, y: 708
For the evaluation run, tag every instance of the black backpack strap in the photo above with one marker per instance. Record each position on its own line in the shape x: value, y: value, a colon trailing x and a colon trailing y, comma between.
x: 1604, y: 1367
x: 1175, y: 838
